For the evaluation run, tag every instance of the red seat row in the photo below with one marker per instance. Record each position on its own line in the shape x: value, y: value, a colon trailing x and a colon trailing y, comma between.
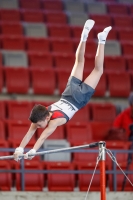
x: 113, y: 8
x: 66, y: 181
x: 43, y: 4
x: 66, y: 61
x: 14, y: 116
x: 55, y: 45
x: 74, y: 132
x: 122, y: 30
x: 10, y: 29
x: 16, y: 110
x: 55, y: 17
x: 43, y: 81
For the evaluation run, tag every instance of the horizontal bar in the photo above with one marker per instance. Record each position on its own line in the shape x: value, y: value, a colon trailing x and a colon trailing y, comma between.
x: 91, y: 145
x: 3, y: 149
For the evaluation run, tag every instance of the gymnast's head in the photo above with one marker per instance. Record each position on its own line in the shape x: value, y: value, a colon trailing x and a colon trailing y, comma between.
x: 40, y: 116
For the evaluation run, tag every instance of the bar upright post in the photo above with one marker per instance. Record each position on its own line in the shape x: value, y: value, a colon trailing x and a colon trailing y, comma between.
x: 102, y: 170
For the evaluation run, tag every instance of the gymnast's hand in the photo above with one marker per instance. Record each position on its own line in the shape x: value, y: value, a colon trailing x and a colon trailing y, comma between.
x: 32, y: 151
x: 18, y: 152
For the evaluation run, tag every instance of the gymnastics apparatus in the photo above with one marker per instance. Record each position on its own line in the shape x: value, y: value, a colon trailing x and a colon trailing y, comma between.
x: 100, y: 159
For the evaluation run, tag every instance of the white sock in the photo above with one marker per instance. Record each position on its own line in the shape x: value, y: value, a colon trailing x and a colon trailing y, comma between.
x: 87, y: 27
x: 103, y: 35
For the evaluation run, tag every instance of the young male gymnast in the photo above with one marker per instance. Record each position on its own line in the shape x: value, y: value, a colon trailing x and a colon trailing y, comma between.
x: 75, y: 96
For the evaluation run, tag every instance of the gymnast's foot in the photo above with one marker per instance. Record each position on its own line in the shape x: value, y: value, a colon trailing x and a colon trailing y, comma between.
x: 103, y: 35
x: 87, y: 27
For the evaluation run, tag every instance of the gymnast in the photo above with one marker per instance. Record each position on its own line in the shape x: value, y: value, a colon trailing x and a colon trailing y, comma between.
x: 75, y: 96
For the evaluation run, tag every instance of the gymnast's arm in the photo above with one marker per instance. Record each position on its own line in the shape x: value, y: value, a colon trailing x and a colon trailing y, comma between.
x: 19, y: 150
x: 28, y: 135
x: 47, y: 132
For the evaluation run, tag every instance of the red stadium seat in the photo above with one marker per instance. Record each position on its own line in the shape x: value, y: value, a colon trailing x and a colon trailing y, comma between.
x: 100, y: 130
x: 11, y: 28
x: 13, y: 42
x: 66, y: 182
x: 62, y: 79
x: 40, y: 60
x: 33, y: 181
x: 78, y: 132
x: 129, y: 63
x: 131, y: 9
x: 43, y: 81
x: 10, y: 16
x: 122, y: 21
x: 3, y: 144
x: 101, y: 87
x: 120, y: 179
x: 59, y: 133
x: 5, y: 178
x: 17, y: 130
x: 125, y: 34
x: 17, y: 80
x: 38, y: 44
x: 82, y: 115
x: 2, y: 110
x: 103, y: 111
x: 62, y: 45
x: 64, y: 61
x: 19, y: 109
x: 102, y: 20
x: 115, y: 63
x: 59, y: 31
x: 127, y: 48
x: 117, y: 145
x: 89, y: 64
x: 52, y: 5
x: 44, y: 103
x: 55, y: 17
x: 2, y: 130
x: 84, y: 179
x: 30, y: 4
x: 118, y: 87
x: 90, y: 47
x: 84, y: 157
x: 117, y: 8
x: 1, y: 79
x: 112, y: 34
x: 77, y: 30
x: 35, y: 16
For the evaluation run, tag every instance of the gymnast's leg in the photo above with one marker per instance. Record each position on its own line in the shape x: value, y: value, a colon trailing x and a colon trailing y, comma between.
x: 94, y: 77
x: 78, y: 67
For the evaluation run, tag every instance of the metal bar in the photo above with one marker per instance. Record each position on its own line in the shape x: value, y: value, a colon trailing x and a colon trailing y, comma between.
x: 95, y: 144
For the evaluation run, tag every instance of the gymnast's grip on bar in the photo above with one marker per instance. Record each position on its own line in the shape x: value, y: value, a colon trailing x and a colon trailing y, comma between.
x: 19, y: 151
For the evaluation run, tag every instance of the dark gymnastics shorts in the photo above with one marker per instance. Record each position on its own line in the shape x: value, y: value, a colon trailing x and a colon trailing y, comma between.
x: 77, y: 92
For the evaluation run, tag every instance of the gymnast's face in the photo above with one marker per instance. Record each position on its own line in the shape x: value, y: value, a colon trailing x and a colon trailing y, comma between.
x: 42, y: 123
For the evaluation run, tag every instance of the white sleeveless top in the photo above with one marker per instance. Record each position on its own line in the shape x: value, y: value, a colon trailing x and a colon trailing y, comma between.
x: 65, y: 106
